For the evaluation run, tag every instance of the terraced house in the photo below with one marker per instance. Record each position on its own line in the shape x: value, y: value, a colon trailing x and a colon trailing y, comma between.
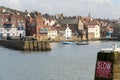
x: 11, y: 25
x: 35, y: 26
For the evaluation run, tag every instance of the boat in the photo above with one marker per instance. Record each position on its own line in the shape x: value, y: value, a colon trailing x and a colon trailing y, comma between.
x: 66, y: 42
x: 82, y: 43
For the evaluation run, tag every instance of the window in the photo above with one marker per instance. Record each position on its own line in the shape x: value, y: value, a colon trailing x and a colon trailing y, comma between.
x: 1, y: 30
x: 96, y: 29
x: 22, y: 28
x: 18, y: 28
x: 13, y: 34
x: 1, y: 20
x: 28, y: 24
x: 22, y: 25
x: 8, y: 34
x: 38, y: 24
x: 8, y: 29
x: 18, y: 21
x: 43, y: 30
x: 6, y: 20
x: 13, y: 20
x: 13, y: 25
x: 33, y: 24
x: 1, y: 24
x: 52, y: 35
x: 1, y: 35
x: 22, y: 21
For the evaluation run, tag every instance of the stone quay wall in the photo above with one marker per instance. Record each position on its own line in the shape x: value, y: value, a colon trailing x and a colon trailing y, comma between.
x: 26, y: 45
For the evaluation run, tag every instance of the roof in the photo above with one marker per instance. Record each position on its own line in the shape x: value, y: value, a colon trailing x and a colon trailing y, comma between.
x: 68, y: 21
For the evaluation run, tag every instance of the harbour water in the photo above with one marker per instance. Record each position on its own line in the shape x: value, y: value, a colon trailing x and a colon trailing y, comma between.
x: 64, y: 62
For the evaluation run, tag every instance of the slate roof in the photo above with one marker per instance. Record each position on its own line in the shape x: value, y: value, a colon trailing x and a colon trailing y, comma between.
x: 68, y: 21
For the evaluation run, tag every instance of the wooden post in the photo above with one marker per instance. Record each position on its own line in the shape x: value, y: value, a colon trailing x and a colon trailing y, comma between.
x: 39, y: 45
x: 35, y: 46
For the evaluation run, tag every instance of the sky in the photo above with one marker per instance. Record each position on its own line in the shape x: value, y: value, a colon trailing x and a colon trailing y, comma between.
x: 104, y: 9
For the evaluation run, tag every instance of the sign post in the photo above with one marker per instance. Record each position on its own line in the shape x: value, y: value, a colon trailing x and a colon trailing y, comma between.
x: 108, y: 64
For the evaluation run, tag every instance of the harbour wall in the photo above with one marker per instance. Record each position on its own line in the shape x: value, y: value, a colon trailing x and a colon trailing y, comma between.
x: 26, y: 45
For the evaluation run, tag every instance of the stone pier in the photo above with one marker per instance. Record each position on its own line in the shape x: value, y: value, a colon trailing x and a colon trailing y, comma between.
x: 26, y: 45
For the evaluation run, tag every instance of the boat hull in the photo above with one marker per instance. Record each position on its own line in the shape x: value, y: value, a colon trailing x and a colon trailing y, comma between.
x: 82, y: 43
x: 67, y: 42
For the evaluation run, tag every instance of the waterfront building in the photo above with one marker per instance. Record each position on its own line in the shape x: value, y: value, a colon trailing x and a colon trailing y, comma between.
x: 68, y: 33
x: 36, y: 27
x: 50, y: 22
x: 109, y: 32
x: 11, y: 25
x: 71, y: 21
x: 52, y: 33
x: 93, y: 31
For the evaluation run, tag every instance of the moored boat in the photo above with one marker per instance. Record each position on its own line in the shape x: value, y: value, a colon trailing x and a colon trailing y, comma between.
x: 66, y: 42
x: 82, y: 43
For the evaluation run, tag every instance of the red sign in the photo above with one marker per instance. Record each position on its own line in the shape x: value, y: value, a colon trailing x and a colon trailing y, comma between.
x: 103, y: 69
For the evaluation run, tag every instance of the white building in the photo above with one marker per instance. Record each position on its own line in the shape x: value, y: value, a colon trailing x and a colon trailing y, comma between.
x: 52, y: 33
x: 68, y: 33
x: 12, y: 26
x: 50, y: 22
x: 95, y: 29
x: 12, y: 32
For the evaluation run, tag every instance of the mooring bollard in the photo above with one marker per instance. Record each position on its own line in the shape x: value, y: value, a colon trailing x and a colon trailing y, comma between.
x: 108, y: 64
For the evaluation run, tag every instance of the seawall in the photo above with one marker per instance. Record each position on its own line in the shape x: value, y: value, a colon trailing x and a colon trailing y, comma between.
x: 26, y: 45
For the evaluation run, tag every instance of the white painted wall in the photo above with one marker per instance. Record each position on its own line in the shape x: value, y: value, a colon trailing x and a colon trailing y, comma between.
x: 50, y: 22
x: 95, y: 30
x: 68, y: 33
x: 12, y: 32
x: 52, y: 34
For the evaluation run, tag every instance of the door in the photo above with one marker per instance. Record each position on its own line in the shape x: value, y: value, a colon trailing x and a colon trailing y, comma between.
x: 1, y: 35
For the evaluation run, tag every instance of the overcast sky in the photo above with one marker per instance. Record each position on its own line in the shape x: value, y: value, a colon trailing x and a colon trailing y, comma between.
x: 97, y: 8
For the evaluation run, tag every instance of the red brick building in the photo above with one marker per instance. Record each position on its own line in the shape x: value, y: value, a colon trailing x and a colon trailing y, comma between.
x: 36, y: 27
